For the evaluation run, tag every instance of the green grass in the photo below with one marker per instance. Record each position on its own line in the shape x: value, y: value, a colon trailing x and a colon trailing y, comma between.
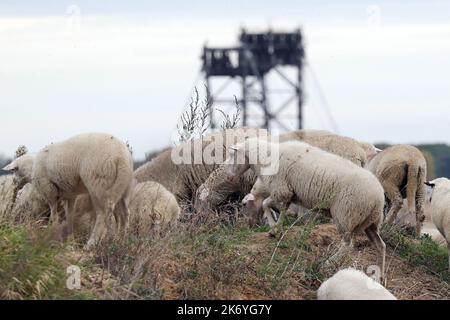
x: 31, y: 268
x: 421, y: 252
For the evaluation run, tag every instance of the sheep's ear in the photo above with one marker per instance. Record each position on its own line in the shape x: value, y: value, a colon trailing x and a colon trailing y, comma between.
x: 11, y: 167
x: 247, y: 198
x: 430, y: 184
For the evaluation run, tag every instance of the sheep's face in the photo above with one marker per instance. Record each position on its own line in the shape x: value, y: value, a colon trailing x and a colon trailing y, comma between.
x: 437, y: 184
x: 430, y: 188
x: 237, y: 163
x: 13, y: 167
x: 370, y: 150
x: 252, y: 210
x: 22, y: 167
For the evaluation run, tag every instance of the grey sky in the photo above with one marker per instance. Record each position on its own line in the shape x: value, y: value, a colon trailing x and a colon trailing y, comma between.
x: 127, y: 68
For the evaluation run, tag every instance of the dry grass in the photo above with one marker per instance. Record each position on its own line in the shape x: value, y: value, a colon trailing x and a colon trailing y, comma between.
x: 207, y: 256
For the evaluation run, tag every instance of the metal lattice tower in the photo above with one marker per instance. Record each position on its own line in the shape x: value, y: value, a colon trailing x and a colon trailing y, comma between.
x: 248, y: 64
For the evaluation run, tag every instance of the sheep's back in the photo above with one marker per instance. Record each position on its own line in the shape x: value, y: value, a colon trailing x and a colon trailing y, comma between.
x: 342, y: 146
x: 351, y: 284
x: 150, y: 200
x: 440, y: 213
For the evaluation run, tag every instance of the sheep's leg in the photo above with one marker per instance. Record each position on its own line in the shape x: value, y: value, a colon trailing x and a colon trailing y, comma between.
x: 269, y: 204
x: 99, y: 229
x: 125, y: 214
x: 448, y: 248
x: 268, y: 214
x: 69, y: 211
x: 121, y: 215
x: 374, y: 237
x: 396, y: 200
x: 54, y: 219
x: 420, y: 217
x: 50, y: 192
x: 118, y: 213
x: 92, y: 216
x: 157, y: 230
x: 108, y: 216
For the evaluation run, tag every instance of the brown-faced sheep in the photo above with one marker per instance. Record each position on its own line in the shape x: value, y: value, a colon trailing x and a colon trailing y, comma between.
x: 402, y: 171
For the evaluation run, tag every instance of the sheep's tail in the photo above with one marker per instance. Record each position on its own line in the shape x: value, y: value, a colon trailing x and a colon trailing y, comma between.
x: 124, y: 179
x: 414, y: 176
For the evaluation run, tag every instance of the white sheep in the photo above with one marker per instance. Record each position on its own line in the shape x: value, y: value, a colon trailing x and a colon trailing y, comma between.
x: 314, y: 178
x: 439, y: 194
x: 152, y: 207
x: 30, y: 203
x: 7, y: 194
x: 402, y: 171
x: 352, y: 284
x: 345, y: 147
x: 94, y: 163
x: 22, y: 167
x: 217, y: 188
x: 369, y: 149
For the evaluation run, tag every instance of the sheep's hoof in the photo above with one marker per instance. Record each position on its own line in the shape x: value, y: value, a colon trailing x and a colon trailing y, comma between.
x: 271, y: 235
x: 89, y: 245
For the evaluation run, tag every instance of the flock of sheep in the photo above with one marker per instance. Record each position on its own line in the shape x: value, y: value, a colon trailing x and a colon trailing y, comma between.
x: 351, y: 181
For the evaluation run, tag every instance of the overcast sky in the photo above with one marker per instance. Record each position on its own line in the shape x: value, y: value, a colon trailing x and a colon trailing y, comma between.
x: 68, y: 67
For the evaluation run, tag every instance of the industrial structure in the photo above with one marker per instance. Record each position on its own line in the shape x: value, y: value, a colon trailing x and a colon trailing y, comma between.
x: 248, y: 64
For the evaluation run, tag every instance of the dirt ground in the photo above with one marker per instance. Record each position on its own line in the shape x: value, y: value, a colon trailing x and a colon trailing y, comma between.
x: 404, y: 280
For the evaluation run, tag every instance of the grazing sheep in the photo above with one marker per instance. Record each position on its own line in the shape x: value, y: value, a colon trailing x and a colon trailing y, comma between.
x: 93, y: 163
x: 7, y: 195
x: 22, y: 167
x: 402, y: 171
x: 217, y: 188
x: 151, y: 207
x: 253, y: 210
x: 30, y: 203
x: 314, y: 178
x: 183, y: 179
x: 439, y: 195
x: 352, y: 284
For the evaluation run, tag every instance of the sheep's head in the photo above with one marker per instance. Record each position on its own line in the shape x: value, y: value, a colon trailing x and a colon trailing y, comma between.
x: 201, y: 198
x: 436, y: 184
x: 22, y: 167
x: 260, y: 155
x: 430, y: 188
x: 370, y: 150
x: 237, y: 161
x: 252, y: 210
